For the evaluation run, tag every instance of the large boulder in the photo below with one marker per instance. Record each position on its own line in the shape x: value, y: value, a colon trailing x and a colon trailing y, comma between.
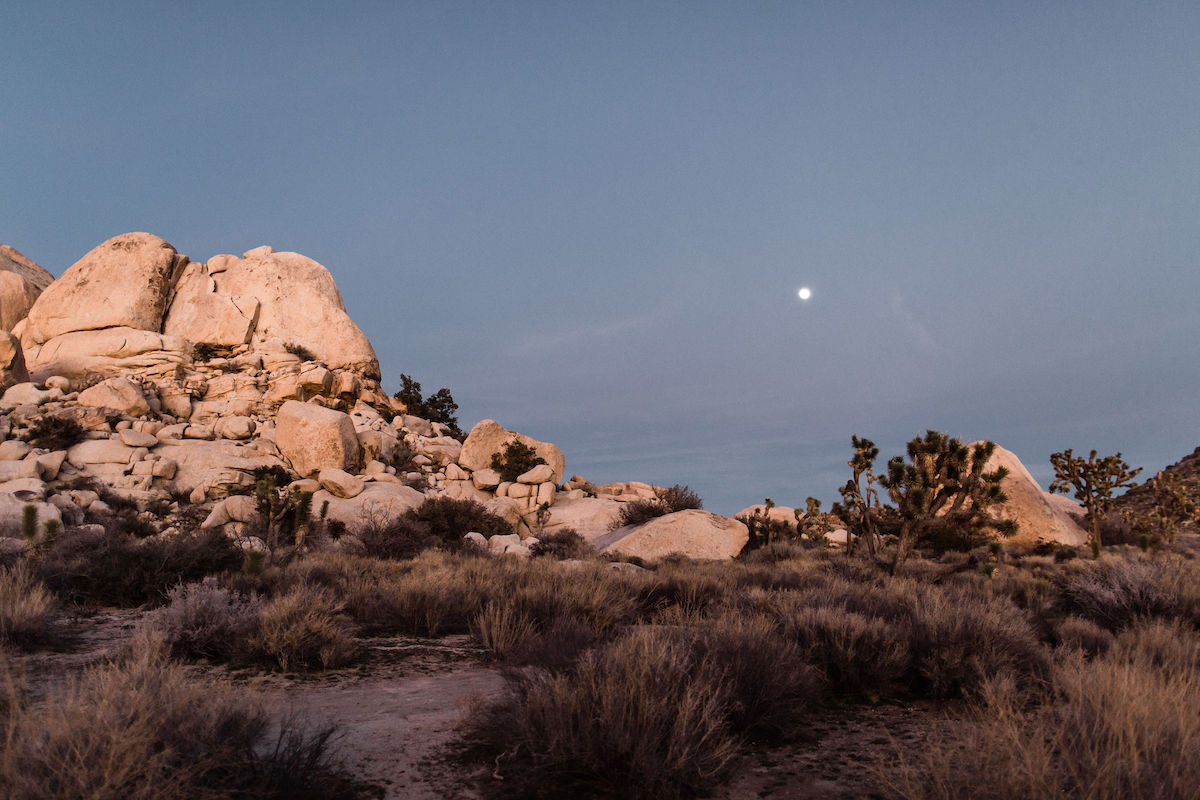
x: 125, y: 282
x: 692, y: 533
x: 21, y: 281
x: 299, y: 304
x: 82, y: 354
x: 12, y: 362
x: 199, y: 313
x: 489, y: 437
x: 1038, y: 513
x: 214, y: 466
x: 376, y: 504
x: 120, y: 394
x: 313, y: 438
x: 590, y: 517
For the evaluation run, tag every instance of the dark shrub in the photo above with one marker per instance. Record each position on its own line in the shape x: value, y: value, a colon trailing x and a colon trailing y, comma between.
x: 300, y: 351
x: 55, y: 433
x: 668, y: 501
x: 449, y: 520
x: 562, y: 544
x: 305, y: 629
x: 400, y: 538
x: 203, y: 620
x: 515, y: 460
x: 438, y: 407
x: 114, y: 569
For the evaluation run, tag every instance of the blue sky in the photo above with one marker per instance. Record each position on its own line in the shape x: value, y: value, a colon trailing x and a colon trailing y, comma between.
x: 589, y: 220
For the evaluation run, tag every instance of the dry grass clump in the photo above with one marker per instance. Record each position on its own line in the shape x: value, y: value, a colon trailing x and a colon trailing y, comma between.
x: 305, y: 628
x: 27, y: 609
x: 140, y: 729
x: 204, y: 620
x: 643, y: 717
x: 1118, y: 727
x: 1114, y: 591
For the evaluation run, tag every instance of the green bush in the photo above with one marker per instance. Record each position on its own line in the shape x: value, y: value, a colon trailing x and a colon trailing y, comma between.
x: 515, y: 459
x: 438, y: 407
x: 667, y: 501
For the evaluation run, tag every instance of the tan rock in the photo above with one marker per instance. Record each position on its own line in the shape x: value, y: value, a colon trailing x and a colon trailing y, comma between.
x: 12, y: 510
x: 101, y: 451
x: 1038, y: 514
x: 26, y: 394
x: 80, y: 354
x: 15, y: 470
x: 235, y: 427
x: 378, y: 503
x: 49, y: 464
x: 12, y: 359
x: 119, y: 394
x: 13, y: 450
x: 545, y: 493
x: 692, y: 533
x: 486, y: 479
x: 212, y: 467
x: 236, y: 508
x: 464, y: 490
x: 137, y: 438
x: 124, y: 282
x: 340, y: 483
x: 21, y: 281
x: 590, y: 517
x: 313, y: 438
x: 488, y: 438
x: 199, y: 314
x: 300, y: 305
x: 539, y: 474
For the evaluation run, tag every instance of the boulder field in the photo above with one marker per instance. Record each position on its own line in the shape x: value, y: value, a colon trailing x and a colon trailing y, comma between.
x: 189, y: 379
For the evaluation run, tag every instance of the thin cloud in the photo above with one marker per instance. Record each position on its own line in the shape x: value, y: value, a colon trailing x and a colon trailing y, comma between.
x: 916, y: 328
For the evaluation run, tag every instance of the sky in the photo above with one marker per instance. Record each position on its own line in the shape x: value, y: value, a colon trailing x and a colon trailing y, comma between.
x: 590, y: 221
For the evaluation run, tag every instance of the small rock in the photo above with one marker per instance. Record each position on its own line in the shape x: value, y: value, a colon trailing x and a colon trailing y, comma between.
x: 539, y: 474
x: 340, y: 483
x: 136, y: 438
x: 486, y: 479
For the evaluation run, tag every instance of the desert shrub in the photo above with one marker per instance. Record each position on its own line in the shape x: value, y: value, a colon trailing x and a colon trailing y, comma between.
x: 503, y: 628
x: 305, y: 628
x: 113, y: 569
x: 141, y: 729
x: 300, y: 351
x: 515, y: 459
x: 563, y: 543
x: 1113, y: 592
x: 666, y: 501
x: 1166, y: 644
x: 770, y: 687
x: 643, y: 717
x: 691, y: 588
x: 203, y: 620
x: 1083, y: 634
x: 1112, y: 727
x: 399, y: 538
x: 55, y: 433
x: 963, y: 636
x: 27, y: 609
x: 449, y: 520
x: 856, y: 653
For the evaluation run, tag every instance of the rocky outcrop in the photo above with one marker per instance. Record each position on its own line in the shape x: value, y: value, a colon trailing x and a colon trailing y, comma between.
x: 125, y: 282
x: 21, y: 281
x: 1039, y: 515
x: 134, y: 305
x: 488, y: 438
x: 692, y: 533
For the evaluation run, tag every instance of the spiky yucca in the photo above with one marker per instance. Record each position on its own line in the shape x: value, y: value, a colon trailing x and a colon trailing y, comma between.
x: 1094, y: 480
x: 943, y: 484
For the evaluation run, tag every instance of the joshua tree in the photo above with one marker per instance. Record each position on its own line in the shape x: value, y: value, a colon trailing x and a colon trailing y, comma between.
x: 1172, y: 502
x: 813, y: 523
x: 859, y: 499
x: 1094, y: 481
x: 943, y: 485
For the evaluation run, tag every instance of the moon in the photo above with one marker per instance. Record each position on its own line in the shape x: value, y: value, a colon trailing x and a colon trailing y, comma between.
x: 804, y: 293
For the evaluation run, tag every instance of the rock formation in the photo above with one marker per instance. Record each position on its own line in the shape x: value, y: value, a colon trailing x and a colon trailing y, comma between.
x: 189, y: 379
x: 21, y: 281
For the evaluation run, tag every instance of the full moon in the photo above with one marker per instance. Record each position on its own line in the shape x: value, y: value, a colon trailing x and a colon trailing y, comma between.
x: 804, y: 293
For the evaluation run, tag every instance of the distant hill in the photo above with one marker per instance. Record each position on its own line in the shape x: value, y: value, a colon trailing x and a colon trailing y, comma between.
x: 1140, y: 500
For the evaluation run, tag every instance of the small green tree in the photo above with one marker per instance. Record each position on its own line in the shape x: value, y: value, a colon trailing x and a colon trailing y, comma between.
x: 515, y: 459
x: 1172, y: 503
x: 438, y: 407
x: 1095, y: 480
x: 813, y: 523
x: 943, y: 484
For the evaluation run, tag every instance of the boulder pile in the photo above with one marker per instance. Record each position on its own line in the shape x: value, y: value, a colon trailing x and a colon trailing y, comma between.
x: 188, y: 380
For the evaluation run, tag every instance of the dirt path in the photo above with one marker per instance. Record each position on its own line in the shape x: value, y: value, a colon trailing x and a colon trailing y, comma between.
x: 397, y: 718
